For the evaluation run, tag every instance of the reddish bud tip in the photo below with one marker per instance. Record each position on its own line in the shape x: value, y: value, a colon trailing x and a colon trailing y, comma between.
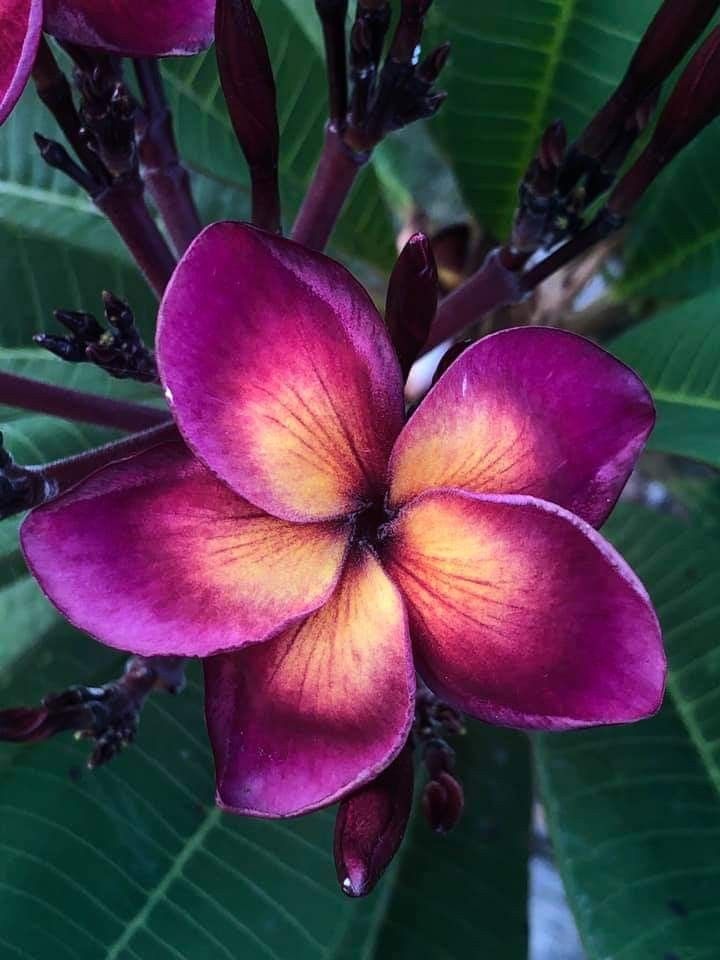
x: 370, y: 826
x: 431, y: 67
x: 672, y: 32
x: 442, y: 803
x: 248, y: 84
x: 439, y: 757
x: 412, y: 299
x: 552, y: 146
x: 693, y: 104
x: 23, y: 725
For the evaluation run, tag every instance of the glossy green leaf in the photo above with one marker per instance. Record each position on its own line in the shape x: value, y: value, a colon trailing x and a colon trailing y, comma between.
x: 635, y: 811
x: 514, y: 68
x: 677, y: 352
x: 134, y: 861
x: 517, y: 66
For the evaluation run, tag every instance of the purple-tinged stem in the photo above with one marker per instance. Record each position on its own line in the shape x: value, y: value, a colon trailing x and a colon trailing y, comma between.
x: 55, y: 92
x: 333, y: 179
x: 124, y: 206
x: 25, y: 487
x: 27, y: 394
x: 64, y: 474
x: 166, y: 179
x: 493, y: 285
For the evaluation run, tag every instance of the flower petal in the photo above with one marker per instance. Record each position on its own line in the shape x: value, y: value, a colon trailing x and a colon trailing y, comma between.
x: 155, y: 555
x: 20, y: 26
x: 155, y: 29
x: 522, y: 614
x: 308, y: 716
x: 280, y: 373
x: 535, y: 411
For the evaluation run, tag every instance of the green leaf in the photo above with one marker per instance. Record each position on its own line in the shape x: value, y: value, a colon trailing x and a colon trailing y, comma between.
x: 514, y: 68
x: 635, y: 811
x: 134, y: 861
x: 677, y: 352
x: 517, y: 66
x: 673, y: 246
x: 365, y: 231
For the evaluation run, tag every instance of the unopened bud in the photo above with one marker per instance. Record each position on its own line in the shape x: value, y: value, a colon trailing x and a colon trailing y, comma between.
x: 672, y: 32
x: 371, y: 824
x: 694, y: 103
x: 439, y: 757
x: 442, y: 803
x: 412, y: 299
x: 248, y: 84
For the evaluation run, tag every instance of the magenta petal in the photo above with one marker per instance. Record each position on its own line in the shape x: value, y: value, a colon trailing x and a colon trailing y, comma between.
x: 535, y: 411
x: 20, y: 26
x: 155, y: 28
x: 523, y: 615
x: 156, y: 556
x: 280, y: 373
x: 299, y: 721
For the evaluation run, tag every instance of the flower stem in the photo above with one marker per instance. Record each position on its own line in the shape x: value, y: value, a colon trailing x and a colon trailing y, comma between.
x: 333, y: 179
x: 166, y: 178
x: 109, y: 171
x: 25, y: 487
x: 27, y: 394
x: 124, y: 206
x: 63, y: 474
x: 492, y: 286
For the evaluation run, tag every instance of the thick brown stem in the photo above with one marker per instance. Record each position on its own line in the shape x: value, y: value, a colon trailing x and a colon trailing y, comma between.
x: 27, y: 394
x: 335, y: 174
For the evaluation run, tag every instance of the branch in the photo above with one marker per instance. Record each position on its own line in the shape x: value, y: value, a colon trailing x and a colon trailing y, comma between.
x: 28, y: 394
x: 102, y: 135
x: 109, y: 715
x: 163, y: 173
x: 23, y: 487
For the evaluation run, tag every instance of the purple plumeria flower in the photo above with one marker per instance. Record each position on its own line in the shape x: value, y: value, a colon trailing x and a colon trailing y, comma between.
x: 153, y: 29
x: 317, y: 550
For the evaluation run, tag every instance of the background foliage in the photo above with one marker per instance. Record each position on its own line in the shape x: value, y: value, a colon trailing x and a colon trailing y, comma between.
x: 134, y: 862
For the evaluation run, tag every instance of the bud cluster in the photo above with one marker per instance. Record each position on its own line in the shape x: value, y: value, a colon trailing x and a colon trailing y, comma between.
x: 118, y: 349
x: 109, y: 714
x: 386, y: 94
x: 562, y: 181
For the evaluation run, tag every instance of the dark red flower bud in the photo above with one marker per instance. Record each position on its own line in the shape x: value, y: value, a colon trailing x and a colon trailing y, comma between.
x: 412, y: 299
x: 332, y: 14
x: 371, y: 824
x: 442, y: 803
x: 439, y: 757
x: 694, y: 103
x: 249, y: 87
x: 430, y: 68
x: 674, y: 29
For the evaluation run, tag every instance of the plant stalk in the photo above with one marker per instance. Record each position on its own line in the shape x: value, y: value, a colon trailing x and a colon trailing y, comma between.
x: 27, y: 394
x: 333, y: 179
x: 166, y: 179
